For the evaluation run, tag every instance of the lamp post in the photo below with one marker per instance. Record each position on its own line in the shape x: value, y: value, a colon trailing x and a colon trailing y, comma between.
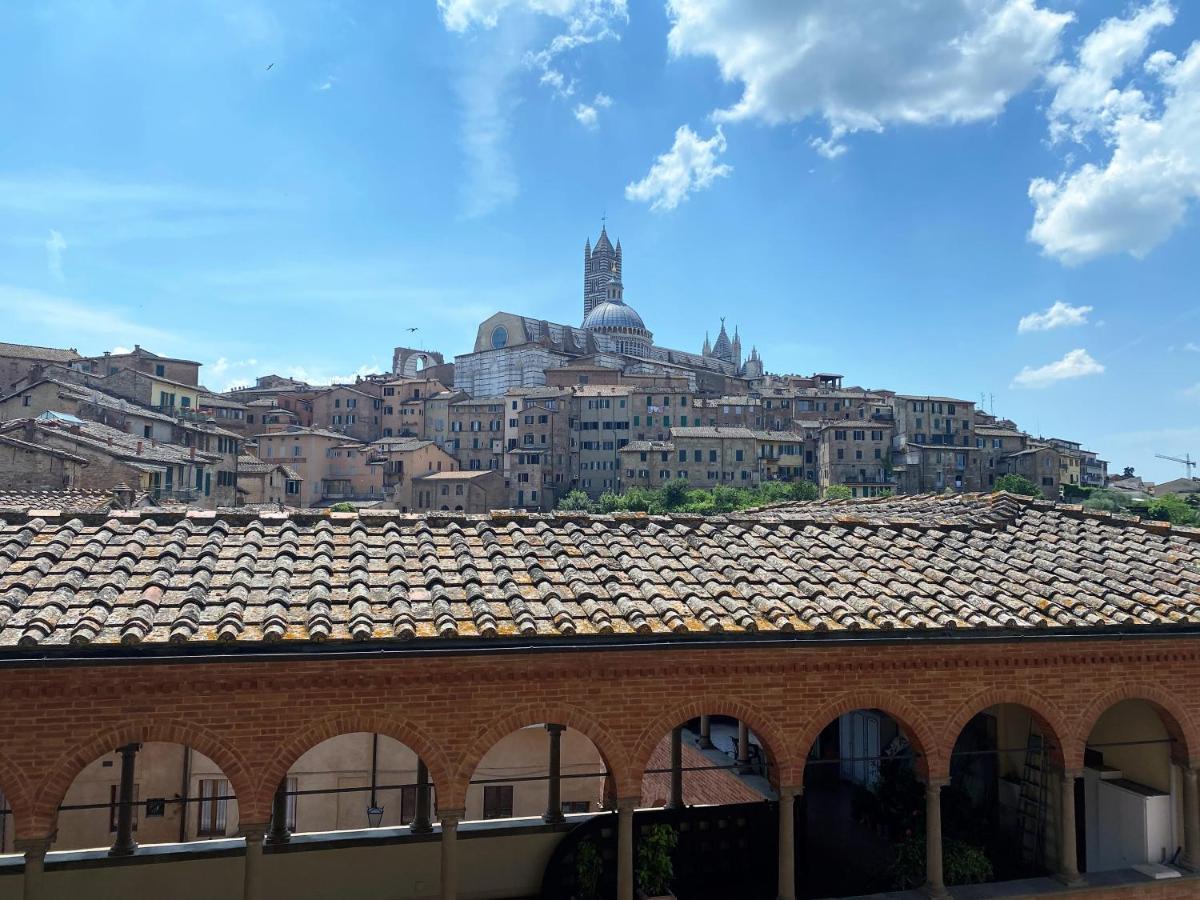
x: 374, y: 810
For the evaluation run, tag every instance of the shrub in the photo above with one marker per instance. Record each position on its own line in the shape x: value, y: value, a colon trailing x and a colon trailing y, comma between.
x: 1172, y: 508
x: 1017, y: 484
x: 837, y: 492
x: 588, y: 867
x: 961, y: 864
x: 342, y: 507
x: 576, y: 501
x: 654, y: 867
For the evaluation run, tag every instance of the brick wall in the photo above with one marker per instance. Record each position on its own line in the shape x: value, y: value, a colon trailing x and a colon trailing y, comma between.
x: 254, y: 718
x: 26, y: 469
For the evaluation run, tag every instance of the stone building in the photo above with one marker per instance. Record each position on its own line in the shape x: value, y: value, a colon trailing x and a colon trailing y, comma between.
x: 1039, y: 462
x: 170, y: 369
x: 475, y: 435
x: 403, y: 459
x: 456, y: 491
x: 27, y: 465
x: 353, y: 410
x: 857, y: 455
x: 18, y: 360
x: 788, y: 455
x: 330, y: 468
x: 167, y: 472
x: 262, y: 482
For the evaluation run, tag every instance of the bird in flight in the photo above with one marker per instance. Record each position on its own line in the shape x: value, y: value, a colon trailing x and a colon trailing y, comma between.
x: 412, y: 329
x: 270, y: 67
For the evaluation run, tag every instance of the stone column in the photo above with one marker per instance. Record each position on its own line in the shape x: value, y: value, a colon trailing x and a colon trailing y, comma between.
x: 705, y: 742
x: 787, y: 842
x: 743, y: 750
x: 1068, y: 864
x: 1191, y: 819
x: 450, y: 819
x: 252, y: 867
x: 935, y: 885
x: 676, y: 799
x: 554, y: 799
x: 35, y: 863
x: 279, y: 833
x: 421, y: 821
x: 125, y: 845
x: 625, y: 808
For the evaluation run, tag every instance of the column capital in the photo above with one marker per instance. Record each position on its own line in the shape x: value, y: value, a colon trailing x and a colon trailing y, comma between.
x: 1070, y: 774
x: 450, y: 816
x: 791, y: 790
x: 253, y: 831
x: 932, y: 784
x: 555, y: 729
x: 38, y: 846
x: 628, y: 804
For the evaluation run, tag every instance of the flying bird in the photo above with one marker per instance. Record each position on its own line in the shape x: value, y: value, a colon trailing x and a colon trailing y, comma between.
x: 270, y: 67
x: 412, y: 329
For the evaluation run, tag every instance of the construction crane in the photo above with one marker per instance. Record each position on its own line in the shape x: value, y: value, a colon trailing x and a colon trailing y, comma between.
x: 1187, y: 462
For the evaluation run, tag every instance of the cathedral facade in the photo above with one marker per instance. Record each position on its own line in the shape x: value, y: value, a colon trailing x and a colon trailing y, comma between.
x: 512, y: 350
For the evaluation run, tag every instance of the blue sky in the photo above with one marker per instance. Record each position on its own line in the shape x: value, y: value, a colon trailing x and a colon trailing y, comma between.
x: 289, y: 186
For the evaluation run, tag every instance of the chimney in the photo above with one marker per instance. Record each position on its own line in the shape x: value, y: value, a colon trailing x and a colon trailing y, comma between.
x: 123, y: 495
x: 139, y: 448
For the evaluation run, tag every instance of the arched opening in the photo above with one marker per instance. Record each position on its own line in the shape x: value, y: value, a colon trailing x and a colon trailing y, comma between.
x: 146, y: 793
x: 353, y: 781
x: 1129, y: 802
x: 545, y: 771
x: 706, y: 794
x: 1000, y: 811
x: 862, y: 819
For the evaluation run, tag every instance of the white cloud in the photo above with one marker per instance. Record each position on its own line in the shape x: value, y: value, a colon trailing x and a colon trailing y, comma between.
x: 588, y: 114
x: 862, y: 65
x: 56, y: 245
x: 326, y: 85
x: 1076, y: 364
x: 1134, y: 200
x: 1084, y: 93
x: 1059, y: 315
x: 1192, y: 347
x: 690, y: 165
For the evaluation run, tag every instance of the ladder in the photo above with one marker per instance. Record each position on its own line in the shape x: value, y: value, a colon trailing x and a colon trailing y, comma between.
x: 1031, y: 807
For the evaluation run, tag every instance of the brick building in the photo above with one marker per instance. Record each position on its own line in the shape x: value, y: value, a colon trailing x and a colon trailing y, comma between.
x: 18, y: 360
x: 939, y: 618
x: 456, y: 491
x: 181, y: 371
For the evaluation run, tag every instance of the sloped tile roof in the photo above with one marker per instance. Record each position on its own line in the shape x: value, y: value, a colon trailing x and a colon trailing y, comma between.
x: 82, y: 501
x: 31, y: 351
x: 915, y: 565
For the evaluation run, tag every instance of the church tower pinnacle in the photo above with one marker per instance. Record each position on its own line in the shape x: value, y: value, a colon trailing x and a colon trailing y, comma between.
x: 600, y: 264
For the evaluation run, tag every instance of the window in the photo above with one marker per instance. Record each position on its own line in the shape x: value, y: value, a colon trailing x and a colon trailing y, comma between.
x: 160, y: 370
x: 213, y: 807
x: 497, y: 801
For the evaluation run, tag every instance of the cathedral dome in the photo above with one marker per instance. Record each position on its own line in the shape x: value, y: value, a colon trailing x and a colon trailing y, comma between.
x: 613, y: 314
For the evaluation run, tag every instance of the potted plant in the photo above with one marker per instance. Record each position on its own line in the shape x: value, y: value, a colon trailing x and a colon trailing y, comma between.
x: 588, y: 866
x: 654, y: 868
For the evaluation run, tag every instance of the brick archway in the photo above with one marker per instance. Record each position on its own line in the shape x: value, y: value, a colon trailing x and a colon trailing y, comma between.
x: 780, y: 762
x: 1185, y: 748
x: 15, y: 788
x: 64, y: 770
x: 1048, y: 717
x: 493, y: 732
x: 928, y: 751
x: 402, y: 730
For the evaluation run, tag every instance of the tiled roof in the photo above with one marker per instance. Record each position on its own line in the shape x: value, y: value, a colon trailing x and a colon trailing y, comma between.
x: 79, y: 501
x: 916, y: 565
x: 645, y: 446
x: 110, y: 441
x: 30, y: 351
x: 252, y: 465
x: 707, y: 431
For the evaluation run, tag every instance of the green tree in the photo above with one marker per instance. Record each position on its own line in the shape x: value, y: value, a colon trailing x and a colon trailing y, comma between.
x: 342, y: 507
x: 837, y: 492
x: 1107, y: 500
x: 655, y: 868
x: 803, y: 490
x: 576, y: 501
x: 1017, y: 484
x: 1172, y: 508
x: 673, y: 495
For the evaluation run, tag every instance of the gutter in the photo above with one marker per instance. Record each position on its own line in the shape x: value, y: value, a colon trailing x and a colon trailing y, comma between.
x: 259, y: 651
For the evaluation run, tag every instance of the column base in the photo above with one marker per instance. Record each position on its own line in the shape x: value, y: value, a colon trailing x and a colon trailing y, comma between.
x: 704, y: 743
x: 931, y: 890
x: 554, y: 818
x: 123, y: 851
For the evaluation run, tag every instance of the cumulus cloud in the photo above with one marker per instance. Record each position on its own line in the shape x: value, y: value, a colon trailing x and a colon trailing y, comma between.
x: 690, y: 165
x: 1132, y: 201
x: 326, y: 85
x: 1192, y: 347
x: 1084, y: 92
x: 1075, y: 364
x: 56, y: 245
x: 862, y: 65
x: 1058, y: 315
x: 588, y: 114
